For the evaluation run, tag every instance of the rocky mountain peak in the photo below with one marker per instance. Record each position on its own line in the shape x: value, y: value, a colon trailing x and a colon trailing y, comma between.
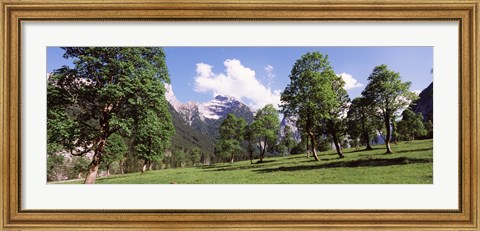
x: 290, y: 122
x: 207, y: 116
x: 424, y: 104
x: 225, y: 98
x: 171, y: 98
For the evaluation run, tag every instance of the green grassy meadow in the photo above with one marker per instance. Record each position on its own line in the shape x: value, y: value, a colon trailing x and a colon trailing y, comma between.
x: 411, y: 163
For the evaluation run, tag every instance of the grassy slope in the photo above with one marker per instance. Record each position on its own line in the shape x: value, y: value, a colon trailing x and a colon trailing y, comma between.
x: 412, y: 163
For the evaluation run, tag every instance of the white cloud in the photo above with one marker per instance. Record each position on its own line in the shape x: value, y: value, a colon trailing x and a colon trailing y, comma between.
x: 237, y: 81
x: 269, y: 69
x: 271, y: 75
x: 417, y: 92
x: 350, y: 82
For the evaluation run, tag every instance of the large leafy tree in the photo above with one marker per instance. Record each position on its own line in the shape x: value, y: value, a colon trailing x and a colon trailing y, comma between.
x: 362, y: 121
x: 231, y: 133
x: 387, y: 94
x: 108, y: 90
x: 266, y: 126
x: 315, y: 96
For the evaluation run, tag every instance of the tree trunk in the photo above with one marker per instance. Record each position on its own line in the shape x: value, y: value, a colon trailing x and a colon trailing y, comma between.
x: 335, y: 139
x: 144, y: 167
x: 307, y: 147
x: 387, y: 138
x: 337, y: 146
x: 251, y: 156
x: 122, y: 168
x: 92, y: 170
x: 264, y: 148
x: 394, y: 132
x: 367, y: 138
x: 95, y: 164
x: 108, y: 169
x: 314, y: 143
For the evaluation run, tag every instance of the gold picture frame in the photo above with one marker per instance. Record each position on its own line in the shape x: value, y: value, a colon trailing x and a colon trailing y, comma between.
x: 14, y: 12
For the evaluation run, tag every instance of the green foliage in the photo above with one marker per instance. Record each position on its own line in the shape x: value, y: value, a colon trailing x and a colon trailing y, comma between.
x: 413, y: 164
x: 195, y: 155
x: 309, y: 85
x: 334, y: 122
x: 265, y: 128
x: 282, y: 149
x: 80, y: 167
x: 387, y: 94
x: 115, y: 150
x: 228, y: 148
x: 287, y: 142
x: 109, y: 89
x: 152, y: 135
x: 299, y: 148
x: 315, y: 95
x: 231, y: 133
x: 362, y: 121
x: 250, y: 138
x: 178, y: 159
x: 411, y: 126
x: 232, y: 128
x: 54, y: 166
x: 324, y: 144
x: 429, y: 127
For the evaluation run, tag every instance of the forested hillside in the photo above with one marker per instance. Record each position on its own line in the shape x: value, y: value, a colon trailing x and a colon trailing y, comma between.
x: 187, y: 138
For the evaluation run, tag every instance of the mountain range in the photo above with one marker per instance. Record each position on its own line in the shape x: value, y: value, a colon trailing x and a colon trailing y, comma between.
x: 208, y: 116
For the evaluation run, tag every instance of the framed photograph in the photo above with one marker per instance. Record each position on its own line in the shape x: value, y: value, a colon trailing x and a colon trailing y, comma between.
x: 239, y: 115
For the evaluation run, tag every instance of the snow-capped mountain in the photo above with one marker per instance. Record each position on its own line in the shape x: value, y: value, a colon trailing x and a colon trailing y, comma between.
x: 221, y: 106
x: 206, y: 117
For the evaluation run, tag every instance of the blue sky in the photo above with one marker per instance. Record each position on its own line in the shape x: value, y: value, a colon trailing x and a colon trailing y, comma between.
x: 257, y: 75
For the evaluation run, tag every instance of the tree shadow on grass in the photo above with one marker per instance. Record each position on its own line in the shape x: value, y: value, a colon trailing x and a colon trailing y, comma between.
x: 413, y: 150
x: 364, y: 150
x: 256, y: 164
x: 397, y: 152
x: 326, y: 154
x: 351, y: 164
x: 350, y: 151
x: 113, y: 177
x: 264, y: 161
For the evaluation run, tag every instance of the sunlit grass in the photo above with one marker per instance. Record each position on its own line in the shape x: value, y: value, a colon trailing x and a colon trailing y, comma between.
x: 411, y: 163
